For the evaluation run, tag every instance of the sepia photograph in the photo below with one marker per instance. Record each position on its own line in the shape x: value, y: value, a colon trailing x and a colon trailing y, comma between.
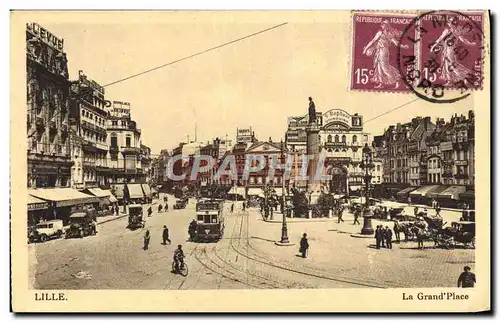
x: 325, y: 157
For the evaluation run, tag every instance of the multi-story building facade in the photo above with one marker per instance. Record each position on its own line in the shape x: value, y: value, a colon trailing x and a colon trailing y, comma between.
x: 245, y: 135
x: 48, y: 123
x: 145, y: 160
x: 341, y: 142
x: 159, y: 167
x: 451, y: 156
x: 124, y: 141
x: 90, y: 152
x: 403, y: 150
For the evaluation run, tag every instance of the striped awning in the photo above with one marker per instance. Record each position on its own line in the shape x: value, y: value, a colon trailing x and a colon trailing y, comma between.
x: 422, y: 191
x: 35, y: 203
x: 146, y: 189
x: 63, y: 197
x: 436, y: 191
x: 452, y: 192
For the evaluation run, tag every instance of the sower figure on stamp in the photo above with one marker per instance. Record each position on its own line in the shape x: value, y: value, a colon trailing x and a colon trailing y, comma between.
x: 379, y: 47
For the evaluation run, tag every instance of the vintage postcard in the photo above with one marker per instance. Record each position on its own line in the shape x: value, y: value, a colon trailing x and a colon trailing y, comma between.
x: 250, y: 161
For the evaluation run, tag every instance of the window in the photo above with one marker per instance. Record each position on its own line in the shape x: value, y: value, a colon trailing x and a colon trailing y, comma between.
x: 378, y: 167
x: 127, y: 141
x: 114, y: 140
x: 343, y: 139
x: 336, y: 138
x: 438, y: 178
x: 329, y: 139
x: 115, y: 123
x: 354, y: 139
x: 124, y: 123
x: 438, y: 164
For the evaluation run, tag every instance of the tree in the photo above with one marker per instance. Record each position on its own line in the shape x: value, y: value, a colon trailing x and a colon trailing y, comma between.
x: 324, y: 203
x: 300, y: 203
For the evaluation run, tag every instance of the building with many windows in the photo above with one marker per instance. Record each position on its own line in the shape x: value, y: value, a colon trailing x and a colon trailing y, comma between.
x: 124, y: 141
x: 48, y: 122
x: 341, y: 140
x: 90, y: 150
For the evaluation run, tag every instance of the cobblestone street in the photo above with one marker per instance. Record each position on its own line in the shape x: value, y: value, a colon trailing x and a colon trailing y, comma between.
x: 246, y: 257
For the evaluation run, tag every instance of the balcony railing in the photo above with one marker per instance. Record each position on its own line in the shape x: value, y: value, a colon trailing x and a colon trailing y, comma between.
x: 461, y: 162
x: 130, y: 150
x: 335, y: 144
x: 48, y: 149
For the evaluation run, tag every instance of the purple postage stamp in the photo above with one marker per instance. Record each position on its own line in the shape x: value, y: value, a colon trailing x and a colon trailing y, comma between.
x: 449, y: 63
x: 376, y: 40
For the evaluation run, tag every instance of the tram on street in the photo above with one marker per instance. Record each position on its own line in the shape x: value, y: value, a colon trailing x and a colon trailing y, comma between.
x: 209, y: 220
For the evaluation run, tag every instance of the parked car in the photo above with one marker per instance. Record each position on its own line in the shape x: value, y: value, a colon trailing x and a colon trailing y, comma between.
x: 46, y: 230
x: 81, y: 224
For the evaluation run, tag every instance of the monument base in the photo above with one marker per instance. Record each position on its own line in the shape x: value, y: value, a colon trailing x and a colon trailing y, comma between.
x: 283, y: 244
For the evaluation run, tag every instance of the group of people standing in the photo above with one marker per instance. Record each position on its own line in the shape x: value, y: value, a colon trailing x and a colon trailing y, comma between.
x: 383, y: 237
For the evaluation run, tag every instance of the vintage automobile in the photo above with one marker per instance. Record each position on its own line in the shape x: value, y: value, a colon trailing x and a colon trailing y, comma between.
x: 135, y: 217
x: 46, y: 230
x: 81, y: 224
x: 180, y: 203
x: 209, y: 221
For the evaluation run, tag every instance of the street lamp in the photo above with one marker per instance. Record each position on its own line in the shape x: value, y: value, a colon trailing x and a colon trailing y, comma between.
x: 367, y: 165
x: 284, y: 229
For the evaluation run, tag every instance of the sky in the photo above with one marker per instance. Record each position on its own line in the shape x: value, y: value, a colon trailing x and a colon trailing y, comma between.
x: 257, y: 82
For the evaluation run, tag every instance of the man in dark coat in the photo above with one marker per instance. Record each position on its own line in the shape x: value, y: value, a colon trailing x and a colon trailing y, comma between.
x: 467, y: 278
x: 165, y: 236
x: 388, y: 237
x: 378, y: 236
x: 304, y: 245
x: 339, y: 214
x: 356, y: 215
x: 150, y: 211
x: 232, y: 207
x: 382, y: 239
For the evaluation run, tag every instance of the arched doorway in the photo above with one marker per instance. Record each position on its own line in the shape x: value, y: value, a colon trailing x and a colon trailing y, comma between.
x: 338, y: 184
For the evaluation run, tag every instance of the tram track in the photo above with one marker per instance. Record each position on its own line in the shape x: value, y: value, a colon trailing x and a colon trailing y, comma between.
x: 248, y: 251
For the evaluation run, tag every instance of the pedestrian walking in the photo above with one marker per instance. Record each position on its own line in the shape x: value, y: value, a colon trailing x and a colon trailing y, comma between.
x: 165, y: 236
x: 244, y: 206
x: 388, y: 237
x: 382, y: 238
x: 378, y: 236
x: 160, y: 208
x: 409, y: 200
x: 150, y: 211
x: 438, y: 210
x: 340, y: 214
x: 147, y: 238
x: 356, y: 215
x: 466, y: 278
x: 117, y: 210
x: 232, y: 207
x: 304, y: 246
x: 415, y: 211
x: 397, y: 230
x: 166, y: 207
x: 272, y: 214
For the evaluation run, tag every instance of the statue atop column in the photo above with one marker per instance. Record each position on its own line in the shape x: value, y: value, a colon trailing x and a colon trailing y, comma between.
x: 312, y: 111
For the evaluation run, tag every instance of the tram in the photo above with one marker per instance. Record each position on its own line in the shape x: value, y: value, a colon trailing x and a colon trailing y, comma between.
x: 209, y: 220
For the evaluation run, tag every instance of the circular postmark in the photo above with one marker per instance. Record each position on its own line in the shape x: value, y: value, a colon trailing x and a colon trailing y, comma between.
x: 447, y: 63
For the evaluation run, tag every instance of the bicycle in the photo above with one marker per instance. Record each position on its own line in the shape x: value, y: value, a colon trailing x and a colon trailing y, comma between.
x: 178, y: 270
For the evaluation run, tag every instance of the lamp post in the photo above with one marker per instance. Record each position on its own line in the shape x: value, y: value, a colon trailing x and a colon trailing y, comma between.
x: 284, y: 241
x: 367, y: 165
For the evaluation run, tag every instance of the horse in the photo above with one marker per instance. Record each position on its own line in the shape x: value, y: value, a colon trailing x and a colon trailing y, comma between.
x: 422, y: 235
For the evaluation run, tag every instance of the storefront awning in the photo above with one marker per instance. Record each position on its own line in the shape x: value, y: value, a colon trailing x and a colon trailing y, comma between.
x: 146, y: 189
x: 436, y: 191
x: 98, y: 192
x: 422, y: 191
x: 237, y: 191
x: 468, y: 195
x: 338, y: 196
x: 405, y: 192
x: 255, y: 192
x: 112, y: 199
x: 355, y: 188
x: 63, y: 197
x: 135, y: 190
x: 452, y: 192
x: 35, y: 203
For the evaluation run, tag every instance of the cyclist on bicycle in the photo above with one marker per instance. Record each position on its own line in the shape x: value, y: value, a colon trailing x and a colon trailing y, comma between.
x: 179, y: 257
